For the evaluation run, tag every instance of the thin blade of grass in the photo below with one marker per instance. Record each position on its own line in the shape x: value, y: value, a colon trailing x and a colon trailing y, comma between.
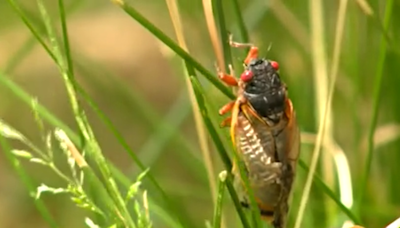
x: 220, y: 199
x: 345, y: 189
x: 207, y: 121
x: 92, y: 145
x: 64, y: 33
x: 375, y: 105
x: 244, y: 35
x: 252, y: 15
x: 366, y: 8
x: 201, y: 131
x: 175, y: 47
x: 30, y: 26
x: 320, y: 183
x: 236, y: 202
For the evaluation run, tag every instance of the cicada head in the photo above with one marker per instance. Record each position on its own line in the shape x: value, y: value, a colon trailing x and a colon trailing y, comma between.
x: 264, y: 89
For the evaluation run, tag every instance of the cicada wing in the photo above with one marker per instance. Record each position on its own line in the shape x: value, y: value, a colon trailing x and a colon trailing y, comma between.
x: 288, y: 137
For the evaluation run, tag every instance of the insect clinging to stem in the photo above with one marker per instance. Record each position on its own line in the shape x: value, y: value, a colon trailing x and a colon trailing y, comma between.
x: 265, y: 134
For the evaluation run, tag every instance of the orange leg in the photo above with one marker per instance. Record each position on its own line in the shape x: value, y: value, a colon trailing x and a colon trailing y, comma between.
x: 229, y: 79
x: 253, y: 53
x: 226, y: 122
x: 226, y: 108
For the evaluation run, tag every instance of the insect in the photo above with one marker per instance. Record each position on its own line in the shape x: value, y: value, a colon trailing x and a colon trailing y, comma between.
x: 264, y: 130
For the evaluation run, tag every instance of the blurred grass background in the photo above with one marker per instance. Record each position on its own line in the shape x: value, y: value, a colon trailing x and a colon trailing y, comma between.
x: 140, y: 85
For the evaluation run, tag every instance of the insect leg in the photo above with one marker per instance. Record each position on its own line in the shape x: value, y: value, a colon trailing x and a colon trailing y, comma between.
x: 226, y: 122
x: 226, y: 108
x: 229, y: 79
x: 253, y: 53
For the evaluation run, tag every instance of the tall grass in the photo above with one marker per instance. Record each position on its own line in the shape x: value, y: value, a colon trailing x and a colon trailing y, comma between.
x: 342, y: 81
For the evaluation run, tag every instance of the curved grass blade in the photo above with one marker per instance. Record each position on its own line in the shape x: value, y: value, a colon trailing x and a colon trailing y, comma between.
x: 175, y: 47
x: 376, y: 102
x: 320, y: 183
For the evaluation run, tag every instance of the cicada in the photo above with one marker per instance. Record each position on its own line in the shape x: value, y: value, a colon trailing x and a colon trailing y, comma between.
x: 265, y: 133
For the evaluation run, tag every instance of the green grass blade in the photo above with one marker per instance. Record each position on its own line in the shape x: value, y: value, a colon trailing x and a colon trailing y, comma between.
x: 252, y: 15
x: 207, y: 121
x: 236, y: 202
x: 220, y: 199
x: 175, y: 47
x: 64, y: 29
x: 244, y: 35
x: 320, y: 183
x: 375, y: 105
x: 30, y: 26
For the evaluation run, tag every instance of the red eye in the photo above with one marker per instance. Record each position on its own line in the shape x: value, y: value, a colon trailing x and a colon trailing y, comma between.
x: 246, y: 76
x: 275, y: 65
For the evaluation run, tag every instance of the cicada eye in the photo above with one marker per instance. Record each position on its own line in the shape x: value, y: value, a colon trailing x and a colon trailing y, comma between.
x: 246, y: 76
x: 275, y: 65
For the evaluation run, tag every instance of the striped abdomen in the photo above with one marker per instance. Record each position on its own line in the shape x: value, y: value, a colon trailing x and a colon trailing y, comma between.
x: 257, y: 149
